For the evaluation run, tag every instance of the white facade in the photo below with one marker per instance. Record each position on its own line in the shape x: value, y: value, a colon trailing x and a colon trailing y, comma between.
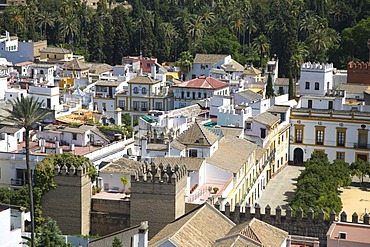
x: 3, y: 86
x: 199, y: 69
x: 10, y: 236
x: 12, y: 94
x: 229, y: 116
x: 48, y: 95
x: 44, y: 73
x: 316, y: 79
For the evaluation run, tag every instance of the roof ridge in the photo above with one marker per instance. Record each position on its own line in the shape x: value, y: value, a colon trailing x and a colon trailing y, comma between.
x: 204, y: 134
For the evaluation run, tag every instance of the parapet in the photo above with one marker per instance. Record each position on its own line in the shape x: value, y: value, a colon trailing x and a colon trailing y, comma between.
x: 151, y: 173
x: 71, y: 171
x: 241, y: 215
x: 358, y: 65
x: 317, y: 66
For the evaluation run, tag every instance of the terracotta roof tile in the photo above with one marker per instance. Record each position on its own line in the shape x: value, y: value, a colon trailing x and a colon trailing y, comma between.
x: 203, y: 83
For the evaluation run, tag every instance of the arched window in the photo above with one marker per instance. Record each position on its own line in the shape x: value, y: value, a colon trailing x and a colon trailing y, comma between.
x: 143, y: 90
x: 188, y: 94
x: 136, y: 90
x: 199, y: 95
x: 317, y: 86
x: 193, y: 95
x: 182, y: 94
x: 307, y: 85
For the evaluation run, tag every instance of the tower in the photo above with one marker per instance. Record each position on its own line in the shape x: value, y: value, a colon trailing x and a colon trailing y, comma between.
x: 70, y: 202
x: 316, y: 79
x: 157, y: 195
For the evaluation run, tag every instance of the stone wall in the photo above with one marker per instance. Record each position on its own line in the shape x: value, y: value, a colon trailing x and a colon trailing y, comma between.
x: 108, y: 216
x: 70, y: 202
x: 157, y: 195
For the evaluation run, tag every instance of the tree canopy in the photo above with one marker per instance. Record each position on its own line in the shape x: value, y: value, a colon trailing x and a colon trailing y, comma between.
x: 165, y: 29
x: 318, y: 184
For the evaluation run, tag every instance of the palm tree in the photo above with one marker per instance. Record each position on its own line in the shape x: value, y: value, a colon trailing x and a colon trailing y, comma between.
x: 45, y: 19
x: 251, y: 27
x: 185, y: 62
x: 262, y: 44
x: 196, y: 27
x: 27, y: 112
x: 69, y: 27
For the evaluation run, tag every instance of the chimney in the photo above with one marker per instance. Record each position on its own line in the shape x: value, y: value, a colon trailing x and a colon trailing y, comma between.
x: 143, y: 234
x: 154, y: 71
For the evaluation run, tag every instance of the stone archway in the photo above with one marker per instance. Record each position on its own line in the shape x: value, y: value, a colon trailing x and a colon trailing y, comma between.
x: 298, y: 156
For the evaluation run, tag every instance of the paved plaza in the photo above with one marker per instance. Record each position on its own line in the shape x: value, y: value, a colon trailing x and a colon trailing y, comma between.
x: 280, y: 189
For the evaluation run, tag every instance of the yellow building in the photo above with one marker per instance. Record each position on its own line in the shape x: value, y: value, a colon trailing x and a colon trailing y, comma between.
x: 56, y: 53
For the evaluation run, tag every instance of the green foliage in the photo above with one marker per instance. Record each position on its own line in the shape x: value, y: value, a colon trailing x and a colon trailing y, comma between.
x: 165, y: 29
x: 291, y: 87
x: 116, y: 242
x: 269, y: 87
x: 360, y: 168
x: 125, y: 180
x: 317, y: 185
x: 50, y: 235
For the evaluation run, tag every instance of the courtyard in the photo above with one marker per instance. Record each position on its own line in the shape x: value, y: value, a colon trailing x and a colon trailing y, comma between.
x: 280, y: 189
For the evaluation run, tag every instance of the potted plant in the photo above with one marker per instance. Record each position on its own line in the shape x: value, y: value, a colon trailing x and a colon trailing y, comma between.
x: 124, y: 181
x: 210, y: 189
x: 215, y: 189
x: 98, y: 189
x: 93, y: 190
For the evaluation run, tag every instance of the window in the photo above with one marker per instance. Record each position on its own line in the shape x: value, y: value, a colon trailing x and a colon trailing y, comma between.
x: 319, y: 135
x: 298, y: 135
x: 158, y: 106
x: 148, y: 65
x: 74, y: 136
x: 317, y: 86
x: 363, y: 157
x: 263, y: 133
x: 193, y: 153
x: 136, y: 105
x: 188, y: 94
x: 144, y: 105
x: 307, y: 85
x: 121, y: 104
x: 330, y: 105
x: 199, y: 95
x: 248, y: 126
x: 104, y: 105
x: 341, y: 137
x: 205, y: 95
x: 136, y: 90
x: 309, y: 104
x: 340, y: 155
x: 182, y: 94
x: 362, y: 138
x: 143, y: 90
x: 342, y: 235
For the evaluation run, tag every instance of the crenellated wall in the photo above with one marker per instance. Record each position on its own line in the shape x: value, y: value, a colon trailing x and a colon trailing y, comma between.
x: 70, y: 202
x: 157, y: 195
x: 295, y: 222
x: 358, y: 72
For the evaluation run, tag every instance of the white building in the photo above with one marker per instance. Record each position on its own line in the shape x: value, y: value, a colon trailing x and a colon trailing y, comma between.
x: 189, y: 92
x: 11, y: 231
x: 49, y: 95
x: 204, y: 63
x: 12, y: 94
x: 10, y: 136
x: 316, y: 79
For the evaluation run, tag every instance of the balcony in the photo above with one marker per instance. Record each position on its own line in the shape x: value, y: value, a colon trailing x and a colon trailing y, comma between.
x: 361, y: 145
x: 18, y: 182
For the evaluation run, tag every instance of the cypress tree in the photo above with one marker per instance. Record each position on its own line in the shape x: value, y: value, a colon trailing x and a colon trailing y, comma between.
x: 269, y: 88
x: 291, y: 86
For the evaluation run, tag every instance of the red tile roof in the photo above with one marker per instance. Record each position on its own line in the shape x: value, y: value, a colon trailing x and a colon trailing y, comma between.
x: 203, y: 82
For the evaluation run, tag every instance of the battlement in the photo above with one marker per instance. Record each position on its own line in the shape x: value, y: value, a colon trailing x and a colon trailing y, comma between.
x: 64, y: 170
x: 294, y: 222
x: 151, y: 173
x: 317, y: 67
x: 358, y: 65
